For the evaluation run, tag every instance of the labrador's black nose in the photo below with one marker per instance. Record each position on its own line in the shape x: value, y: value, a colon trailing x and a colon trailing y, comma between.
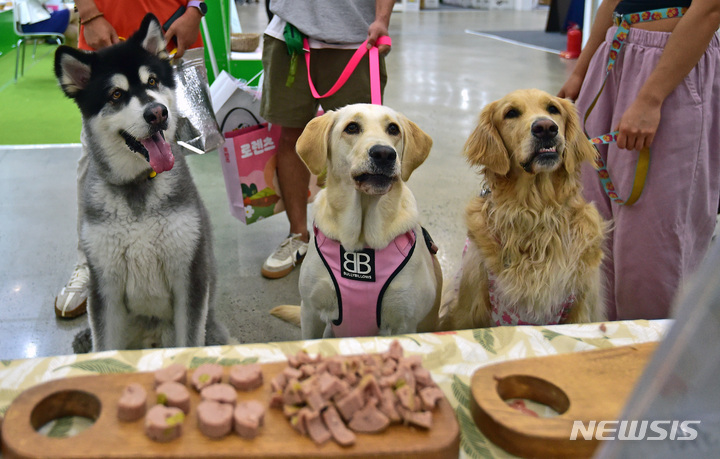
x: 544, y: 129
x: 382, y: 155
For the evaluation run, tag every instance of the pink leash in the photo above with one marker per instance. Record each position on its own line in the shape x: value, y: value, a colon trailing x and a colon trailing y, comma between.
x: 375, y: 95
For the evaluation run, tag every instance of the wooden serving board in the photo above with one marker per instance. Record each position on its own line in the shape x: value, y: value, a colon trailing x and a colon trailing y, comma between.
x: 96, y: 397
x: 583, y: 386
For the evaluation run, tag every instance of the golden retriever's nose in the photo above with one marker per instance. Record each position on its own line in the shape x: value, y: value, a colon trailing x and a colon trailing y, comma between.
x: 544, y: 129
x: 382, y: 155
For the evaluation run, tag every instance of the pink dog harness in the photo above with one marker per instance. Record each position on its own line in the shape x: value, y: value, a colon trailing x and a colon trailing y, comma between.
x: 360, y: 280
x: 503, y: 314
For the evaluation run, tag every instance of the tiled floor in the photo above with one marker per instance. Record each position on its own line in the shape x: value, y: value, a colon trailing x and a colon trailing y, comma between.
x: 439, y: 76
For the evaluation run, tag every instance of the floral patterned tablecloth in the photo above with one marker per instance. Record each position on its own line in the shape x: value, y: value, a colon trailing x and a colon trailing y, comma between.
x: 451, y: 357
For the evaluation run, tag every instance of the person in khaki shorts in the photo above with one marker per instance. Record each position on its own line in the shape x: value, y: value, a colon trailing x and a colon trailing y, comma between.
x: 335, y: 29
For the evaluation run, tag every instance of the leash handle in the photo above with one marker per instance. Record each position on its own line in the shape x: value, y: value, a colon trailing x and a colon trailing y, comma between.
x: 641, y: 170
x: 375, y: 93
x: 624, y: 22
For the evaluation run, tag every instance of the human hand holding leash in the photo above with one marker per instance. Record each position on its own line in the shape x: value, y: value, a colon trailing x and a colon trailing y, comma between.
x: 376, y: 30
x: 100, y: 34
x: 638, y: 125
x: 184, y: 30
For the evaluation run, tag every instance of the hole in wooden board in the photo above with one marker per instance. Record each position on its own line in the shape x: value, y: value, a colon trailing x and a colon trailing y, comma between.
x: 65, y: 413
x: 529, y: 395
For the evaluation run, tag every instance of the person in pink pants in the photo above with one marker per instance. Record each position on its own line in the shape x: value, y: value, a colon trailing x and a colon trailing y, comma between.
x: 664, y: 93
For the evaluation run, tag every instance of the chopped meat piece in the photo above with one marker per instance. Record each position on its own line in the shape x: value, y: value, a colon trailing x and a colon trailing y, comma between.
x: 206, y: 374
x: 307, y: 370
x: 290, y: 410
x: 292, y: 373
x: 278, y: 383
x: 164, y: 423
x: 417, y: 418
x: 292, y: 394
x: 344, y: 390
x: 423, y: 377
x: 340, y: 433
x: 336, y: 366
x: 316, y: 428
x: 351, y: 403
x: 412, y: 361
x: 304, y: 358
x: 370, y: 387
x: 246, y: 377
x: 215, y: 419
x: 389, y: 367
x: 315, y: 400
x: 221, y: 393
x: 276, y: 400
x: 133, y: 403
x: 293, y: 361
x: 351, y: 377
x: 248, y: 417
x: 175, y: 372
x: 369, y: 419
x: 387, y: 405
x: 430, y: 397
x: 395, y: 351
x: 174, y: 394
x: 329, y: 385
x: 407, y: 398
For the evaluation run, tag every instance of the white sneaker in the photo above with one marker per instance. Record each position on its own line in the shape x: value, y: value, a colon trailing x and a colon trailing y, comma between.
x: 71, y: 302
x: 288, y: 254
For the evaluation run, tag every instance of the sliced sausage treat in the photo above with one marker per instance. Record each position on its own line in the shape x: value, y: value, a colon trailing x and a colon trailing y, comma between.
x: 133, y: 403
x: 215, y: 420
x: 221, y: 393
x: 175, y: 372
x: 174, y: 394
x: 207, y: 374
x: 164, y: 423
x: 246, y: 377
x: 248, y: 417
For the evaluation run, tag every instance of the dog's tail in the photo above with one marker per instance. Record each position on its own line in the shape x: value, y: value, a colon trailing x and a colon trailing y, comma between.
x: 82, y: 343
x: 287, y: 313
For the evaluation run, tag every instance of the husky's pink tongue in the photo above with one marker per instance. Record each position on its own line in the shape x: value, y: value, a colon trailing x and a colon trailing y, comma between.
x: 161, y: 157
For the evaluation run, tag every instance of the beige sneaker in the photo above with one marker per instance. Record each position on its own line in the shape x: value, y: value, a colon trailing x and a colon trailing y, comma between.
x: 288, y: 255
x: 71, y: 302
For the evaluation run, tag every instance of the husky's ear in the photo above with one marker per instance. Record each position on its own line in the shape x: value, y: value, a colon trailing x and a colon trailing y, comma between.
x: 313, y: 144
x: 72, y: 69
x: 416, y: 147
x: 151, y: 35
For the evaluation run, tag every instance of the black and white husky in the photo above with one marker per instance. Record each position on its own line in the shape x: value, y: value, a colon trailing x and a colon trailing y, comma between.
x: 144, y: 229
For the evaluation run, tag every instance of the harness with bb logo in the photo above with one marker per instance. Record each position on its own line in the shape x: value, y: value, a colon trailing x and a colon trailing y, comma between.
x: 361, y: 279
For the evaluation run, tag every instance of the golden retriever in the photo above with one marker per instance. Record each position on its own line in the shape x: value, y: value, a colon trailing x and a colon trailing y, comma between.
x: 534, y: 245
x: 369, y: 152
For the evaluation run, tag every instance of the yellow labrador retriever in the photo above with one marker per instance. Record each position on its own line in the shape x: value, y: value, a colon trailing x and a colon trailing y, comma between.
x: 534, y: 244
x: 369, y: 269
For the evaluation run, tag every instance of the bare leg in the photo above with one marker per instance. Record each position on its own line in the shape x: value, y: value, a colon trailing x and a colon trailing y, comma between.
x: 294, y: 180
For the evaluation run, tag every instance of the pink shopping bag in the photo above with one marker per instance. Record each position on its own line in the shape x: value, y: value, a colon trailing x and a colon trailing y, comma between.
x: 249, y: 168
